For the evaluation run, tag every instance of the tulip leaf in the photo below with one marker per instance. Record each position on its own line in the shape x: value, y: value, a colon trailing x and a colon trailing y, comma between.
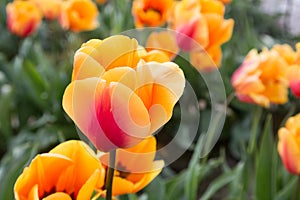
x: 217, y: 184
x: 264, y: 176
x: 156, y: 189
x: 287, y: 191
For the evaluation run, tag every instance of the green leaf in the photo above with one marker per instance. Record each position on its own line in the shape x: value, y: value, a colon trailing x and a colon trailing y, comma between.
x: 217, y: 184
x: 287, y: 191
x: 263, y: 175
x: 156, y: 189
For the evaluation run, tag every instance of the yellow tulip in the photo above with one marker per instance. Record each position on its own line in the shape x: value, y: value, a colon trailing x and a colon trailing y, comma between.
x: 116, y: 98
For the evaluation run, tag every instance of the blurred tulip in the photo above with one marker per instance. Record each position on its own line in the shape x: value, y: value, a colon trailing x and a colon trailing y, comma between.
x: 289, y: 144
x: 202, y: 22
x: 163, y: 41
x: 79, y: 15
x: 261, y: 79
x: 150, y: 12
x: 135, y: 167
x: 293, y: 74
x: 116, y: 98
x: 23, y: 17
x: 69, y: 171
x: 50, y: 8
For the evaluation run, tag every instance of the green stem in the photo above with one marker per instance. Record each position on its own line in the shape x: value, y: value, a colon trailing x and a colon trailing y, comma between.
x: 110, y: 174
x: 296, y: 195
x: 254, y: 130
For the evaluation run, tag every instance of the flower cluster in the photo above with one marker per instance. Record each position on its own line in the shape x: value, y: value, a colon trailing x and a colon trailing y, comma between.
x: 264, y: 78
x: 200, y: 26
x: 24, y: 17
x: 73, y: 171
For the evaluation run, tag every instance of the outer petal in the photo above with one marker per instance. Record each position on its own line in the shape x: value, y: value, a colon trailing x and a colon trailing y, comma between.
x: 90, y: 185
x: 79, y: 104
x: 58, y: 195
x: 167, y: 86
x: 82, y: 153
x: 116, y: 51
x: 122, y: 115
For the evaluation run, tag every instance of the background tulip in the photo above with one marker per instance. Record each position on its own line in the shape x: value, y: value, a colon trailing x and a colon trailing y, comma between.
x: 261, y: 79
x: 23, y: 17
x: 79, y: 15
x: 289, y: 146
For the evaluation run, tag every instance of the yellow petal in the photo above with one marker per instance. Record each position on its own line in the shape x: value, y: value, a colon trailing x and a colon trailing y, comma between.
x: 58, y: 195
x: 90, y: 185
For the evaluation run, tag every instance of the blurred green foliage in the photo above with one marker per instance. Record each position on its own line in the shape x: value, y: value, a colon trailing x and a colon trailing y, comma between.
x: 35, y: 71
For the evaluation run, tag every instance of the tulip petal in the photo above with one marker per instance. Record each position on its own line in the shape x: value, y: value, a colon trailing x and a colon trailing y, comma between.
x: 77, y: 150
x: 148, y: 177
x: 86, y: 66
x: 122, y: 186
x: 90, y: 185
x: 58, y: 195
x: 42, y: 173
x: 117, y: 51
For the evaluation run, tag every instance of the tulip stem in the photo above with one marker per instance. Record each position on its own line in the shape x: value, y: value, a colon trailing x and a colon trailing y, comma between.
x: 110, y: 174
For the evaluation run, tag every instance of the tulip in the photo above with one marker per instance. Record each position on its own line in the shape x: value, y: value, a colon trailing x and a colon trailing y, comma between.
x: 23, y: 17
x: 69, y: 171
x: 116, y: 98
x: 201, y: 29
x: 50, y: 8
x: 163, y: 41
x: 261, y: 79
x: 289, y: 146
x: 293, y: 73
x: 79, y: 15
x: 135, y: 167
x: 150, y: 12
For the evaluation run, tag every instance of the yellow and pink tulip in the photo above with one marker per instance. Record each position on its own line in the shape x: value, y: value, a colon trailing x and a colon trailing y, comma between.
x: 116, y: 98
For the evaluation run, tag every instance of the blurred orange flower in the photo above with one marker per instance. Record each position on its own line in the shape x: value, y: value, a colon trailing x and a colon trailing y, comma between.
x: 225, y: 1
x: 135, y: 167
x: 261, y: 79
x: 69, y: 171
x: 150, y: 12
x: 50, y: 8
x: 116, y: 98
x: 201, y: 21
x: 23, y: 17
x: 289, y: 144
x: 79, y: 15
x: 293, y: 74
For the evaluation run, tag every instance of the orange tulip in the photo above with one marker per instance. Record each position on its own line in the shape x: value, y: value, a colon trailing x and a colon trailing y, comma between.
x: 79, y: 15
x: 261, y: 79
x: 69, y: 171
x: 50, y: 8
x: 289, y: 145
x: 201, y: 21
x: 135, y: 167
x: 23, y: 18
x: 116, y: 98
x: 150, y: 12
